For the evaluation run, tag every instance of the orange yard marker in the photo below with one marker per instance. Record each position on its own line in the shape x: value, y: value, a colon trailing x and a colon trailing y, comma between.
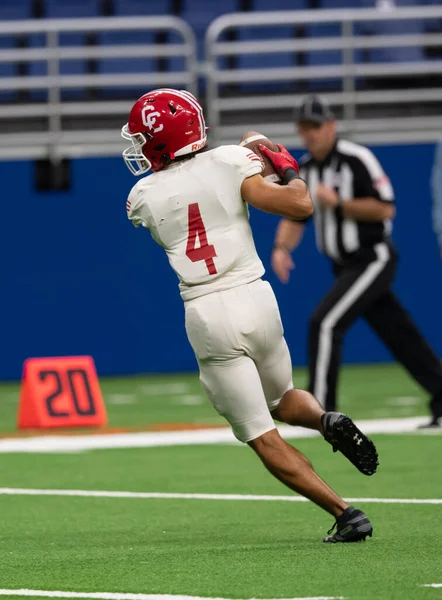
x: 60, y: 392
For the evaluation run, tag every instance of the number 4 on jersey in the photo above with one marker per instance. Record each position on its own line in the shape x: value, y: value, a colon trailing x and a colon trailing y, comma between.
x: 205, y: 251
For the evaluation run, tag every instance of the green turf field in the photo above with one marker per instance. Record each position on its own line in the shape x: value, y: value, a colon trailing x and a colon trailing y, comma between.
x: 373, y: 392
x: 217, y: 547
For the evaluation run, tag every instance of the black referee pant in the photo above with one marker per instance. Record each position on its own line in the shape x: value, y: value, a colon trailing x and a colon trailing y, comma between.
x: 362, y: 289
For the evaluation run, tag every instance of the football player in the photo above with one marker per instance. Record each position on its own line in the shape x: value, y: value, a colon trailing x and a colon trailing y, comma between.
x: 195, y: 205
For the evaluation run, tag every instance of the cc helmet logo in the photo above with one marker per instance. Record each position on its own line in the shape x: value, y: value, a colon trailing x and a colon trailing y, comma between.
x: 150, y: 118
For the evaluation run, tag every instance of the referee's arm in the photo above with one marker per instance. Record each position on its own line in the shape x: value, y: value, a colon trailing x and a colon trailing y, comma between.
x: 288, y: 236
x: 436, y: 187
x: 373, y: 197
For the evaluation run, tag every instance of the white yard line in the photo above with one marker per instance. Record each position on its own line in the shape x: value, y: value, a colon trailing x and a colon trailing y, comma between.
x: 9, y: 397
x: 404, y: 401
x: 222, y: 435
x: 121, y: 399
x: 163, y: 389
x: 179, y: 496
x: 118, y: 596
x: 432, y: 585
x: 188, y: 399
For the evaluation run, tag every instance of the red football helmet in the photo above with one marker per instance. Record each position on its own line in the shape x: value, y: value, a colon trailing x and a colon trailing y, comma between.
x: 163, y: 125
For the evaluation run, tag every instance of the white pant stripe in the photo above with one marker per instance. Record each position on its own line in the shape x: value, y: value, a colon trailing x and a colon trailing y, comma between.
x: 353, y: 293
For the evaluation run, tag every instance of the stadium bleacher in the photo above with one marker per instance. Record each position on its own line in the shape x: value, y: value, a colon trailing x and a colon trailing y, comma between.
x: 15, y: 9
x: 199, y: 14
x: 99, y: 77
x: 80, y: 9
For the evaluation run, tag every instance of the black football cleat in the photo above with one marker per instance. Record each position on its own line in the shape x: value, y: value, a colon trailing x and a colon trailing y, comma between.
x: 352, y: 526
x: 435, y: 423
x: 436, y: 409
x: 436, y: 413
x: 343, y: 435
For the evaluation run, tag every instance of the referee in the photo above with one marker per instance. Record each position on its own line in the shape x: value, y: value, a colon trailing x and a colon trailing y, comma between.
x: 354, y: 205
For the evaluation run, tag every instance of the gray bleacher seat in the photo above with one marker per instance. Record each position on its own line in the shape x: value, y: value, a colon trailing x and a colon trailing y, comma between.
x: 126, y: 8
x: 15, y: 9
x: 394, y: 54
x: 323, y: 57
x: 253, y: 61
x: 327, y: 4
x: 271, y: 32
x: 68, y: 9
x: 8, y: 69
x: 265, y: 5
x: 11, y: 10
x: 200, y: 13
x: 125, y: 65
x: 129, y: 8
x: 285, y: 59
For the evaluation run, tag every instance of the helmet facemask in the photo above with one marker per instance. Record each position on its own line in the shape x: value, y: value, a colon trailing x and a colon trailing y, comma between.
x: 133, y: 156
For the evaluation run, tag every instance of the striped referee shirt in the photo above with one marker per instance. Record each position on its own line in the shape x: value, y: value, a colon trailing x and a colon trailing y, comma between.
x: 353, y: 172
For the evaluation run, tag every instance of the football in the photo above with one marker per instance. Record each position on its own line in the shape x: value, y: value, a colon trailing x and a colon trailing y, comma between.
x: 251, y: 140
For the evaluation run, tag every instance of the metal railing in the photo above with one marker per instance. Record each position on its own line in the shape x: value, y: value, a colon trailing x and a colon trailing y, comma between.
x: 54, y: 140
x: 55, y: 126
x: 349, y: 100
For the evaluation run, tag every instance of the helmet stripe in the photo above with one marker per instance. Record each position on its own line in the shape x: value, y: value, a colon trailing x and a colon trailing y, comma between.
x: 194, y: 102
x: 184, y: 95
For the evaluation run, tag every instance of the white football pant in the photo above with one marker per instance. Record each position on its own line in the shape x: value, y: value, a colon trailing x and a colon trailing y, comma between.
x: 244, y: 361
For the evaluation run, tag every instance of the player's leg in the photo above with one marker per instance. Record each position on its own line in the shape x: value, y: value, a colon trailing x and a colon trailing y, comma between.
x: 287, y: 404
x: 395, y: 327
x: 233, y: 387
x: 293, y: 469
x: 227, y: 375
x: 232, y: 383
x: 297, y: 407
x: 353, y: 291
x: 235, y: 390
x: 271, y: 355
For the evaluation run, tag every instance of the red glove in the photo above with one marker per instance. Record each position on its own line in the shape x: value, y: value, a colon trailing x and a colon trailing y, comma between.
x: 281, y: 160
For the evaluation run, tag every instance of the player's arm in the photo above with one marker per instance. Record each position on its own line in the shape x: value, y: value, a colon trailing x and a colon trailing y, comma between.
x: 291, y: 200
x: 137, y: 209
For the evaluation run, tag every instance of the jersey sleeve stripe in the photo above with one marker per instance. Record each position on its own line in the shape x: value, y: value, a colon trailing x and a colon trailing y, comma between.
x: 380, y: 180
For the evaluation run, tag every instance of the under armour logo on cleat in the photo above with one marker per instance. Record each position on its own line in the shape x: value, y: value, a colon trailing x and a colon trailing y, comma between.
x: 347, y: 529
x: 357, y: 439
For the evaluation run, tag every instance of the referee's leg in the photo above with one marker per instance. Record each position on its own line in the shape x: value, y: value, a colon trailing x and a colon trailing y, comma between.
x: 395, y: 327
x: 354, y: 290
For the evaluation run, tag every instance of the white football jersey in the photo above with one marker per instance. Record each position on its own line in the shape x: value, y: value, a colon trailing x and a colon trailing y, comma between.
x: 194, y: 210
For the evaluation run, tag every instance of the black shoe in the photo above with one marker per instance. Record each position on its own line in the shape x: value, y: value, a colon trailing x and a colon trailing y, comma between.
x: 343, y: 435
x: 436, y: 408
x: 352, y: 526
x: 436, y: 413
